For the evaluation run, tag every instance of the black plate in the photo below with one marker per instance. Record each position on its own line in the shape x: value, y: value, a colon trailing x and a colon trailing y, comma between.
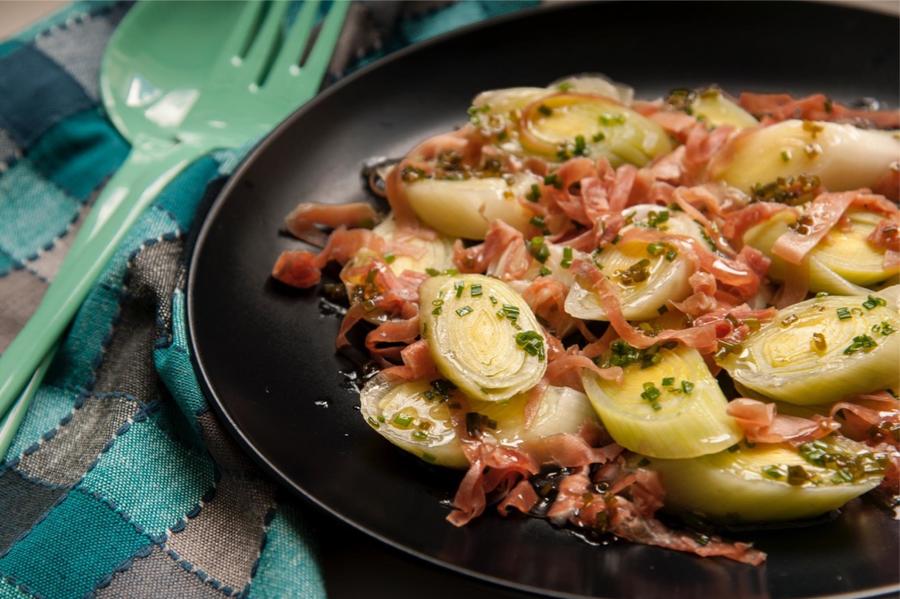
x: 266, y: 354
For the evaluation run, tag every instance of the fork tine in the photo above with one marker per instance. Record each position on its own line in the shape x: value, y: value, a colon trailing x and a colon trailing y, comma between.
x: 240, y: 35
x: 297, y: 38
x: 303, y: 87
x: 265, y: 40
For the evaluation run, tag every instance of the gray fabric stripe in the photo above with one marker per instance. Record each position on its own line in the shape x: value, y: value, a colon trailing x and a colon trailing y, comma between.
x: 157, y: 575
x: 224, y: 539
x: 79, y: 47
x: 8, y: 148
x: 65, y: 458
x: 128, y: 364
x: 20, y: 293
x: 22, y: 503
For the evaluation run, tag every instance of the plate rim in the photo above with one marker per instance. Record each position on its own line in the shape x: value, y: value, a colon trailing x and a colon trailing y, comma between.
x: 207, y: 214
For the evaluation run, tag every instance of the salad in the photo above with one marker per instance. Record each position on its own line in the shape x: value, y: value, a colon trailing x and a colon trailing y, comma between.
x: 632, y: 316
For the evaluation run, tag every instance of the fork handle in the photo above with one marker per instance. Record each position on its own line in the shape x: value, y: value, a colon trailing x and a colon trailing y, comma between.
x: 150, y: 166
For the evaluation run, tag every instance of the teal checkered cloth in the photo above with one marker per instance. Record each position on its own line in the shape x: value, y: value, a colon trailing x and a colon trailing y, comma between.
x: 121, y: 482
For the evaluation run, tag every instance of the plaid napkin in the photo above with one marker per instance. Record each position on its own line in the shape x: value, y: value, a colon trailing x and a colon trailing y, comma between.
x: 121, y: 483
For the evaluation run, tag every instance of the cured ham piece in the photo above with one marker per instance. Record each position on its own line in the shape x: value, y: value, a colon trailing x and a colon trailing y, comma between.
x: 761, y: 423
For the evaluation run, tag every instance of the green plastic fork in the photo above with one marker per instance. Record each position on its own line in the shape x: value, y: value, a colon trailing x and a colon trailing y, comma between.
x: 178, y: 80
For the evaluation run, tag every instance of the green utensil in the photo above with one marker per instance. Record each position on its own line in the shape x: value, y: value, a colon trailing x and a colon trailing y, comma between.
x: 178, y: 80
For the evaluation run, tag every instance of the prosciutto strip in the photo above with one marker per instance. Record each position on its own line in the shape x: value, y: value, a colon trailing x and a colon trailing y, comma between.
x: 309, y: 214
x: 865, y: 417
x: 762, y: 424
x: 822, y: 215
x: 417, y: 363
x: 503, y: 253
x: 522, y: 498
x: 304, y: 269
x: 569, y: 451
x: 703, y: 338
x: 817, y: 107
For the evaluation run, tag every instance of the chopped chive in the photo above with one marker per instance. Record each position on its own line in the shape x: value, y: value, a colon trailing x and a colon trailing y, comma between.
x: 567, y: 257
x: 475, y: 290
x: 843, y: 314
x: 437, y: 311
x: 419, y: 436
x: 654, y: 218
x: 532, y: 343
x: 389, y: 258
x: 493, y: 300
x: 545, y: 110
x: 537, y: 221
x: 786, y: 155
x: 402, y: 421
x: 609, y: 119
x: 534, y: 194
x: 554, y: 180
x: 459, y: 286
x: 598, y: 137
x: 873, y: 302
x: 687, y: 386
x: 773, y: 472
x: 580, y: 146
x: 465, y: 310
x: 668, y: 381
x: 862, y: 343
x: 432, y: 272
x: 545, y: 272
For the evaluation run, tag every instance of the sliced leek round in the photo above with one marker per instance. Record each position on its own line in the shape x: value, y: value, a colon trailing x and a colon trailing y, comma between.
x: 645, y: 276
x: 715, y: 108
x: 843, y: 262
x: 415, y: 253
x: 821, y: 350
x: 571, y: 124
x: 842, y: 156
x: 559, y: 410
x: 769, y: 483
x: 672, y: 408
x: 482, y: 335
x: 466, y: 207
x: 415, y: 417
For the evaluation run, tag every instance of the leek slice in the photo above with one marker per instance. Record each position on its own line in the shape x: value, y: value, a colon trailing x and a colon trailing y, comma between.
x: 570, y: 124
x: 668, y: 272
x: 842, y: 156
x: 425, y: 253
x: 560, y: 410
x: 715, y: 108
x: 661, y: 280
x: 466, y: 207
x: 844, y: 262
x: 671, y: 409
x: 821, y: 350
x: 482, y: 335
x: 415, y: 417
x: 769, y: 483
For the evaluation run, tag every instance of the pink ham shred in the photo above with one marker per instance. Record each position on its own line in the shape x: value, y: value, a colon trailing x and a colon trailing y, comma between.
x: 822, y: 215
x: 304, y: 269
x: 703, y: 338
x: 417, y: 363
x: 503, y: 253
x: 307, y: 215
x: 817, y: 107
x: 522, y: 498
x: 569, y: 451
x: 761, y: 423
x: 738, y: 222
x: 869, y: 416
